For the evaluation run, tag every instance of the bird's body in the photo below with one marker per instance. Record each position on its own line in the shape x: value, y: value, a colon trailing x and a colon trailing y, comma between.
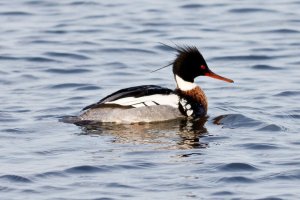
x: 150, y: 103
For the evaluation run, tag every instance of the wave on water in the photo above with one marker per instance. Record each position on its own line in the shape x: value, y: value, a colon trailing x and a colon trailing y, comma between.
x: 242, y: 57
x: 237, y: 179
x: 67, y: 71
x: 250, y: 10
x: 16, y: 13
x: 30, y: 59
x: 236, y: 167
x: 266, y: 67
x: 15, y: 178
x: 87, y: 169
x: 236, y: 121
x: 67, y: 55
x: 288, y: 94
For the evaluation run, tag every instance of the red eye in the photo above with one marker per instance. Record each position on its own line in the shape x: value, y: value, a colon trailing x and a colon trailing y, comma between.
x: 202, y: 67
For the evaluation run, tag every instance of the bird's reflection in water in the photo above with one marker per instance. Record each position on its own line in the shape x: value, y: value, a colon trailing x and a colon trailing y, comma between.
x: 175, y: 134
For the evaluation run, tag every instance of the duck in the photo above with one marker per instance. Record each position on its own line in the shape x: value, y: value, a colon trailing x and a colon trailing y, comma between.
x: 152, y: 103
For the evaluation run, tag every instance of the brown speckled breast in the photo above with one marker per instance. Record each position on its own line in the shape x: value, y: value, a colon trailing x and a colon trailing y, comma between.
x: 197, y: 99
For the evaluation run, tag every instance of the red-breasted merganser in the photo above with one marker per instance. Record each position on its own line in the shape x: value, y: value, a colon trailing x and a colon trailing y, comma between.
x: 151, y: 103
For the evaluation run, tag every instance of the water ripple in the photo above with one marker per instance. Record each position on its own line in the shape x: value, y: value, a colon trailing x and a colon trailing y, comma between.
x: 67, y: 55
x: 41, y: 3
x: 295, y: 116
x: 289, y: 175
x: 3, y: 57
x: 282, y: 31
x: 16, y: 13
x: 192, y: 6
x: 88, y: 87
x: 118, y: 185
x: 67, y: 71
x: 14, y: 130
x: 127, y: 50
x: 50, y: 174
x: 271, y: 127
x: 30, y: 59
x: 223, y: 193
x: 82, y: 3
x: 237, y: 167
x: 119, y: 65
x: 237, y: 179
x: 250, y: 10
x: 15, y: 178
x: 236, y: 121
x: 288, y: 93
x: 56, y: 32
x: 260, y: 146
x: 40, y: 59
x: 5, y: 189
x: 68, y: 85
x: 87, y: 169
x: 7, y: 117
x: 242, y: 57
x: 266, y: 67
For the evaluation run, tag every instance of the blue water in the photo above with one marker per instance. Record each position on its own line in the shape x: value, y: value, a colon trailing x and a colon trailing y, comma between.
x: 57, y: 57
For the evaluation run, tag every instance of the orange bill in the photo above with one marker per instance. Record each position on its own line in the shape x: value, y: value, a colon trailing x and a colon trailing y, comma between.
x: 216, y: 76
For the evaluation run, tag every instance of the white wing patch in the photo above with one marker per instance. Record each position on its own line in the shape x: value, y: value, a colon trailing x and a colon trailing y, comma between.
x: 151, y: 100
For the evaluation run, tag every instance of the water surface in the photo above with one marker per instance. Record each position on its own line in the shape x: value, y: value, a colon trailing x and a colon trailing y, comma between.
x: 59, y: 56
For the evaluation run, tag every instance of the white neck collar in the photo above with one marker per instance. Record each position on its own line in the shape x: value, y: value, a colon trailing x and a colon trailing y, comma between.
x: 184, y: 85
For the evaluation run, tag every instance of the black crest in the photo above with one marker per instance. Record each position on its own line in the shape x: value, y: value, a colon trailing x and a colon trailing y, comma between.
x: 189, y: 62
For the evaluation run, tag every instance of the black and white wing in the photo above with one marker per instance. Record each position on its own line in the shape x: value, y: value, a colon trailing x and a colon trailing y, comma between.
x: 139, y: 96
